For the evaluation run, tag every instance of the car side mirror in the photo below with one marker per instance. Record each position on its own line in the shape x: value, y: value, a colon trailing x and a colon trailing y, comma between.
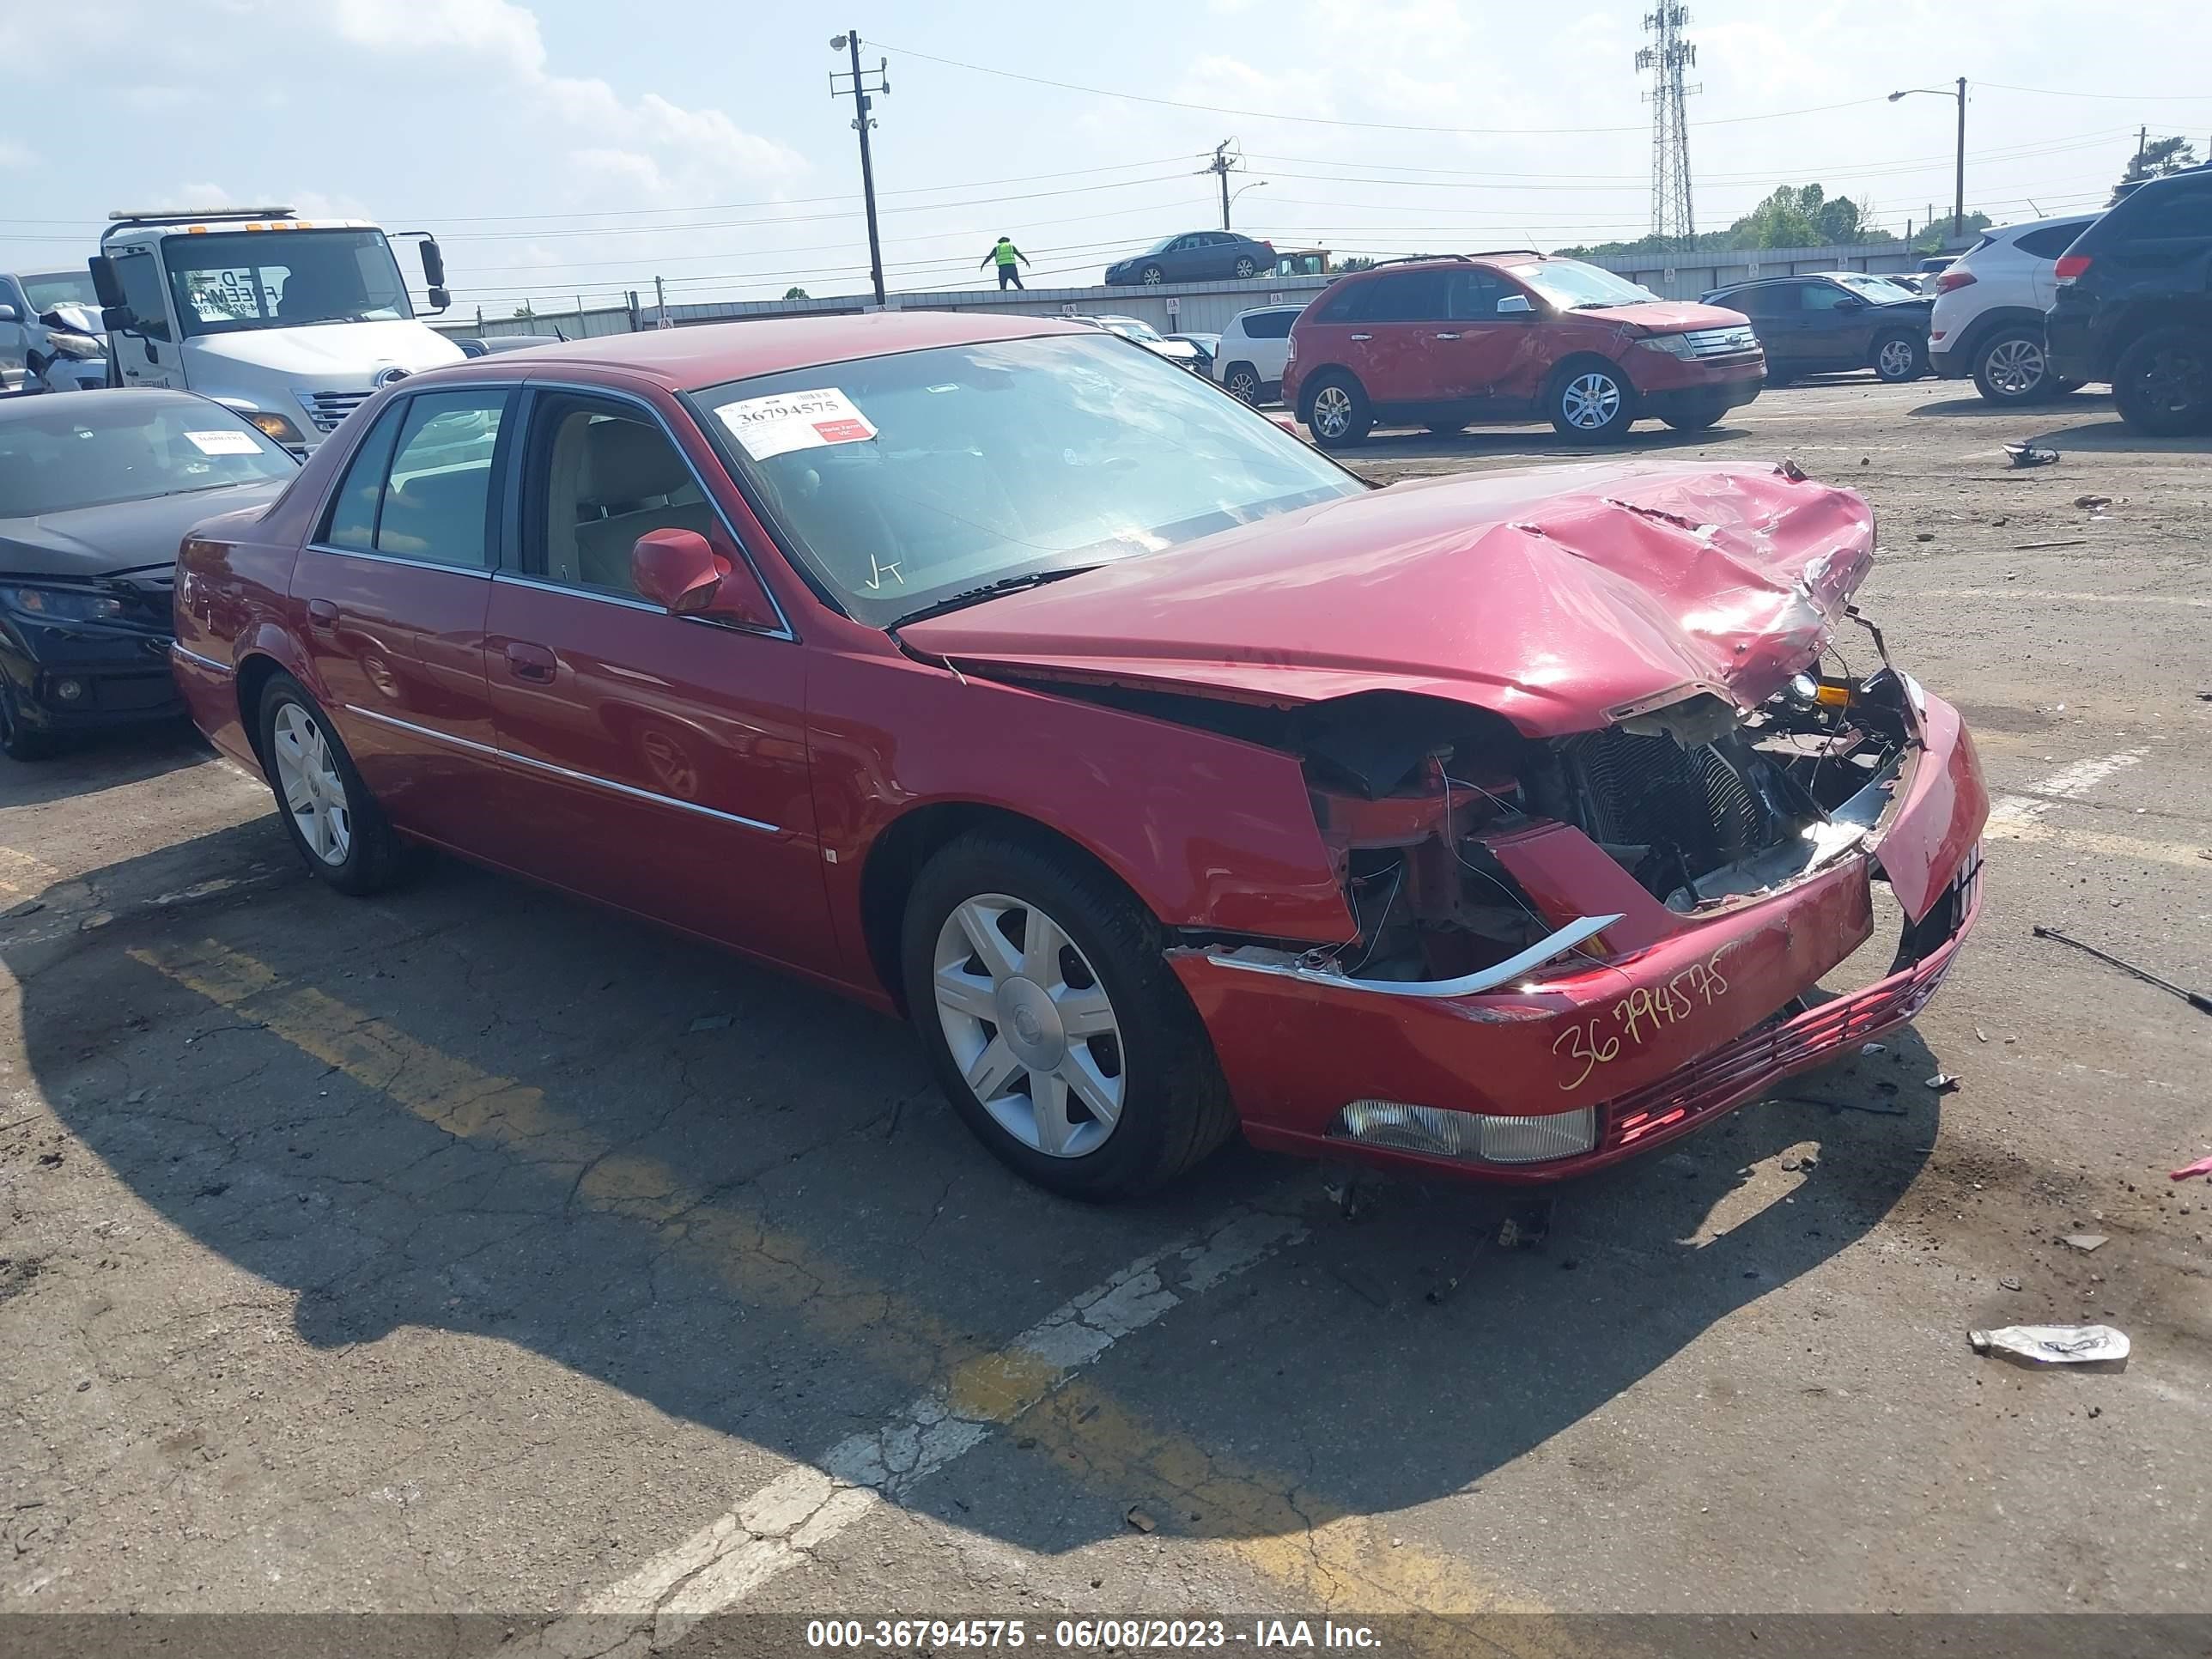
x: 1515, y: 305
x: 7, y: 312
x: 1851, y: 302
x: 680, y: 571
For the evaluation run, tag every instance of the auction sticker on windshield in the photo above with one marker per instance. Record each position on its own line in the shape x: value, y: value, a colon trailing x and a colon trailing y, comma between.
x: 785, y: 421
x: 223, y: 443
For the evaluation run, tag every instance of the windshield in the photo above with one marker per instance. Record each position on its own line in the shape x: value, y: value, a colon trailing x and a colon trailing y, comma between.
x: 1570, y: 285
x: 95, y: 449
x: 1132, y: 328
x: 60, y: 287
x: 241, y: 279
x: 903, y: 483
x: 1875, y: 289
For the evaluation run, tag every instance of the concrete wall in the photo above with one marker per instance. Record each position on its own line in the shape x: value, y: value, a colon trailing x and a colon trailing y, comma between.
x: 1200, y: 307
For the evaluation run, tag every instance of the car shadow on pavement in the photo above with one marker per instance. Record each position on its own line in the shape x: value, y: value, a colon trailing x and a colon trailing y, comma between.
x: 475, y: 1108
x: 1524, y: 442
x: 1972, y: 405
x: 103, y: 760
x: 2114, y: 436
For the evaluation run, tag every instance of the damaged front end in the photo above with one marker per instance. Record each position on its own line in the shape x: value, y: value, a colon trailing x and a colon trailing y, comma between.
x: 1569, y: 948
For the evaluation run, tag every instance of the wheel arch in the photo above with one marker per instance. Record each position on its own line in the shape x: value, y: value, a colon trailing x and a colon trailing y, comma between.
x: 257, y: 659
x: 1580, y: 360
x: 1309, y: 381
x: 1976, y: 334
x: 2137, y: 320
x: 898, y: 855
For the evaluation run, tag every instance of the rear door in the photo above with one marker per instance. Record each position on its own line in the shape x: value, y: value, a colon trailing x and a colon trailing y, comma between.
x: 394, y: 589
x: 1407, y: 322
x: 659, y: 761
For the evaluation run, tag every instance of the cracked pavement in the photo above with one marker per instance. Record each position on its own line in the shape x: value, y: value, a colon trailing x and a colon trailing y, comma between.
x: 469, y: 1250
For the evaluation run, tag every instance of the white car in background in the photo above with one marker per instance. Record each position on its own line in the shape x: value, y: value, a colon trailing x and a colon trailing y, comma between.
x: 1254, y: 349
x: 1179, y: 352
x: 1987, y: 322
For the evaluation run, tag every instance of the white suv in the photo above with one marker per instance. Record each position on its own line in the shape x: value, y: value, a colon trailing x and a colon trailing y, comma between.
x: 1254, y: 348
x: 1990, y: 303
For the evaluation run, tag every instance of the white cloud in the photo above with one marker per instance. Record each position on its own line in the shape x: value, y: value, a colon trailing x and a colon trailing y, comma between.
x: 13, y: 155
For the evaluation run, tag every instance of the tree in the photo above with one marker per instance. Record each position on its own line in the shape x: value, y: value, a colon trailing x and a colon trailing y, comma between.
x: 1355, y: 262
x: 2155, y: 160
x: 524, y: 311
x: 797, y: 293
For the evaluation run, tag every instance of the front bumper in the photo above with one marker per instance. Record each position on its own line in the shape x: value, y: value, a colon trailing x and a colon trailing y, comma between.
x: 1703, y: 399
x: 1655, y: 1040
x: 120, y: 680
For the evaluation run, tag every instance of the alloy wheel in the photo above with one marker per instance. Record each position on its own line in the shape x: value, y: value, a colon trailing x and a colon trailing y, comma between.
x: 1591, y: 401
x: 1153, y: 277
x: 1245, y: 267
x: 1332, y: 412
x: 1029, y: 1025
x: 1894, y: 360
x: 314, y: 794
x: 2015, y: 367
x: 1244, y: 384
x: 2173, y: 380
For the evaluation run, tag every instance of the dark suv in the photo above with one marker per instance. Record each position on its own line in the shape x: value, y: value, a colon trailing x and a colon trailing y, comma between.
x: 1834, y: 319
x: 1444, y: 342
x: 2134, y: 304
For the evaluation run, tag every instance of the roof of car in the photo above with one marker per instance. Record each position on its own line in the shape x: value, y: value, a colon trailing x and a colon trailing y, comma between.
x: 119, y: 400
x: 710, y: 353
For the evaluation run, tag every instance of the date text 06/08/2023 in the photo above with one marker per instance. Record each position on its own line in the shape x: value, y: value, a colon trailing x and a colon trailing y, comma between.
x: 1082, y: 1635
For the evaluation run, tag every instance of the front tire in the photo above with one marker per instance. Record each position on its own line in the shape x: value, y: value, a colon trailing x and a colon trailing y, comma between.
x: 1152, y: 276
x: 20, y: 742
x: 2010, y: 368
x: 333, y: 822
x: 2162, y: 384
x: 1055, y: 1027
x: 1897, y: 358
x: 1699, y: 420
x: 1590, y: 403
x: 1337, y: 411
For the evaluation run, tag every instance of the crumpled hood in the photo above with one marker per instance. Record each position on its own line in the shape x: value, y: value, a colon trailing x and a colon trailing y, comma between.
x: 1666, y: 316
x: 345, y: 354
x: 87, y: 543
x: 1560, y: 598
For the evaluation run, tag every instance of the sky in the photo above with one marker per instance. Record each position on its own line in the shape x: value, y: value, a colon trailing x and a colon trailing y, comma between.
x: 567, y: 149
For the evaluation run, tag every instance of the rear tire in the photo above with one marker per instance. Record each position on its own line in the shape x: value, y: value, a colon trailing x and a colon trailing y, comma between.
x: 1245, y: 266
x: 1242, y: 383
x: 1897, y: 358
x: 1590, y: 402
x: 334, y: 823
x: 1131, y: 1041
x: 2162, y: 384
x: 1337, y: 411
x: 2010, y: 367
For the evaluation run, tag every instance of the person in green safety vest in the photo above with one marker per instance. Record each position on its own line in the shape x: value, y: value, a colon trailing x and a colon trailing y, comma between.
x: 1005, y: 252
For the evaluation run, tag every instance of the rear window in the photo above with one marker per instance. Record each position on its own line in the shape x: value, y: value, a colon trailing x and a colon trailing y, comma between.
x: 1267, y: 324
x: 2052, y: 240
x: 1409, y: 296
x: 2159, y: 211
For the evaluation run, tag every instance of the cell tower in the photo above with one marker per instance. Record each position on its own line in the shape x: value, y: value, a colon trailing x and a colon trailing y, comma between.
x: 1667, y: 58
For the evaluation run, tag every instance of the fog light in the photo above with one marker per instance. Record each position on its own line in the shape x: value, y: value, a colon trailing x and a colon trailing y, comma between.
x: 69, y: 690
x: 1477, y: 1135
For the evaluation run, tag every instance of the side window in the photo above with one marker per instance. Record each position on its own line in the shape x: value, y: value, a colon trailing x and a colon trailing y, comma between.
x: 350, y: 522
x: 437, y: 500
x: 1410, y: 296
x: 1269, y: 324
x: 140, y: 275
x: 1821, y: 297
x: 2180, y: 215
x: 1475, y: 295
x: 2051, y: 240
x: 1346, y: 302
x: 601, y: 474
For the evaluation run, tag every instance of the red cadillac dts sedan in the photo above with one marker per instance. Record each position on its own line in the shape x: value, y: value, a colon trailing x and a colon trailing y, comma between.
x: 1168, y: 777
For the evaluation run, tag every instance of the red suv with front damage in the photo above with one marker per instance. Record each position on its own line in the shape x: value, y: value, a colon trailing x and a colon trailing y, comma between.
x: 1444, y: 342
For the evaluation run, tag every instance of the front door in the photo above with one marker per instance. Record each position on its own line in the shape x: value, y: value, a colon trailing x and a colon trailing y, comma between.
x: 1834, y: 326
x: 1481, y: 355
x: 148, y: 354
x: 393, y: 591
x: 660, y: 761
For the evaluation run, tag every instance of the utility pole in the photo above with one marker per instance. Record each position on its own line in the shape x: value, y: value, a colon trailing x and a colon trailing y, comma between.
x: 1958, y: 195
x: 659, y: 303
x: 860, y: 92
x: 2143, y: 144
x: 1672, y: 218
x: 1224, y: 164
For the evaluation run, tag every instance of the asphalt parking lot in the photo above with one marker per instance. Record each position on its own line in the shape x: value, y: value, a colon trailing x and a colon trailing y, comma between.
x: 469, y: 1249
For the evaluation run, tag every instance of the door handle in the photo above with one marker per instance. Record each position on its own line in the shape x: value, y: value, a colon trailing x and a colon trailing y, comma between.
x: 1362, y: 336
x: 321, y: 613
x: 531, y: 662
x: 1447, y: 337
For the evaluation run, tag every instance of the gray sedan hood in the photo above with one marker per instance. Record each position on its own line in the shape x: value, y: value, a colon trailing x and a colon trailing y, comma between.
x: 89, y: 542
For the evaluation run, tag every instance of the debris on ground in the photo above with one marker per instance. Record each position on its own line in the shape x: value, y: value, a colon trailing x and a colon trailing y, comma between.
x: 2086, y: 1243
x: 2093, y: 500
x: 1142, y: 1522
x: 2201, y: 1167
x: 1923, y: 535
x: 2029, y: 455
x: 2008, y: 1282
x: 710, y: 1023
x: 1980, y: 1036
x: 1943, y: 1083
x: 2040, y: 547
x: 1527, y: 1227
x: 2197, y: 999
x: 1873, y: 1047
x: 1443, y: 1287
x: 2055, y: 1345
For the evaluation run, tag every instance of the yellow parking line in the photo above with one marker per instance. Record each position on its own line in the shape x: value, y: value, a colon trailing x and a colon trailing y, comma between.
x: 22, y: 875
x: 1325, y: 1558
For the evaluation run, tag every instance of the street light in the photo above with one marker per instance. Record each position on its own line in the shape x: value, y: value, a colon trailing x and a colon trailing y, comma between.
x: 858, y: 92
x: 1958, y: 197
x: 1256, y: 184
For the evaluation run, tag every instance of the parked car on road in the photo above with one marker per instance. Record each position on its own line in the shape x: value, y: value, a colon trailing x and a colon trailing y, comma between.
x: 97, y: 489
x: 1830, y: 320
x: 1162, y: 773
x: 1445, y: 342
x: 50, y: 334
x: 1196, y: 256
x: 2134, y: 304
x: 1207, y: 345
x: 1179, y: 352
x: 1988, y: 317
x: 1254, y: 347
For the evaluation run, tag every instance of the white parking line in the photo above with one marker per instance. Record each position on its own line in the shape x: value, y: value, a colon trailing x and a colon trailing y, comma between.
x: 802, y: 1509
x: 2068, y: 783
